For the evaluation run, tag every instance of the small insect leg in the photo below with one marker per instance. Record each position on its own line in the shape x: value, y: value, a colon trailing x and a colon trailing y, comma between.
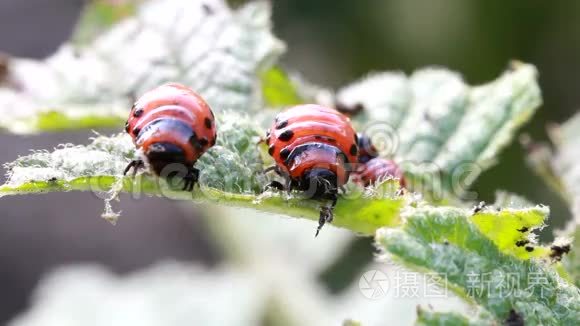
x: 190, y: 179
x: 135, y: 165
x: 326, y: 215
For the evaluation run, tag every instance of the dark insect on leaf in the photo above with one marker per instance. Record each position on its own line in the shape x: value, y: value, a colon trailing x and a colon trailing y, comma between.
x: 286, y: 135
x: 522, y: 243
x: 514, y: 319
x: 558, y: 251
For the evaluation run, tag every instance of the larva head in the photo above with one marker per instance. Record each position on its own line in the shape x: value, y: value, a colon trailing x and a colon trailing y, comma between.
x: 318, y: 169
x: 319, y: 183
x: 163, y: 157
x: 169, y: 141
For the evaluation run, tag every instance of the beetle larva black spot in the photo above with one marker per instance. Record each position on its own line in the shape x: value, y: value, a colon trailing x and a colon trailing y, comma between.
x: 524, y: 229
x: 353, y: 149
x: 203, y: 141
x: 138, y: 113
x: 286, y: 135
x: 271, y: 150
x: 557, y: 252
x: 194, y: 141
x: 284, y: 153
x: 522, y: 243
x: 207, y: 122
x: 318, y: 137
x: 136, y: 131
x: 282, y: 124
x: 529, y: 249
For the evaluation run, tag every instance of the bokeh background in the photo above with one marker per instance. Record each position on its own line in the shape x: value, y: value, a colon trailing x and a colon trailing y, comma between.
x: 331, y: 43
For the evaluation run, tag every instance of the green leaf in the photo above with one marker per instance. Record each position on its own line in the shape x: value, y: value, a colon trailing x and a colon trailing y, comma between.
x: 59, y: 121
x: 231, y: 174
x: 510, y: 230
x: 278, y: 89
x: 443, y: 132
x: 346, y: 214
x: 386, y: 97
x: 218, y: 52
x: 448, y: 242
